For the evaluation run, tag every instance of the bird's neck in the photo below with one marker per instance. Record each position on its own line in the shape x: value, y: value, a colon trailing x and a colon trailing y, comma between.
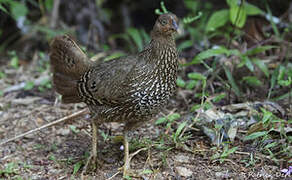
x: 164, y: 49
x: 163, y: 41
x: 164, y: 59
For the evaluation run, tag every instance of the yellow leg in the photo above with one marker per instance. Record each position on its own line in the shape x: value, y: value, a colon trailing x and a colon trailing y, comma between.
x: 126, y: 155
x: 92, y: 161
x: 127, y: 171
x: 94, y: 140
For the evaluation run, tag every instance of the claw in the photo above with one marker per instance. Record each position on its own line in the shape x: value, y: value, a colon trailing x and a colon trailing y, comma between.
x: 91, y: 165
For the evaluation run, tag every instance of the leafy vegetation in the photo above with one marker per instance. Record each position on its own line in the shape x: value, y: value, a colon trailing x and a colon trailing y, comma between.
x: 234, y: 84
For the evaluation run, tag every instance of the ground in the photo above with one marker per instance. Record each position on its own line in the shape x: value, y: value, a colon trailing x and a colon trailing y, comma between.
x: 60, y: 151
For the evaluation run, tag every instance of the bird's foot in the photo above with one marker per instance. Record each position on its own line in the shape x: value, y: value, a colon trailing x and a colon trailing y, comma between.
x: 91, y: 165
x: 128, y: 172
x: 126, y: 169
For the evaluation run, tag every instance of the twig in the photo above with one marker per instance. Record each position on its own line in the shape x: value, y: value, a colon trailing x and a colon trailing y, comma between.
x: 45, y: 126
x: 55, y: 14
x: 113, y: 176
x: 135, y: 153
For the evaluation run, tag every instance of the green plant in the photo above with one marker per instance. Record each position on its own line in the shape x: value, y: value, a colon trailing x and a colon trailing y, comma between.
x: 10, y: 169
x: 247, y: 59
x: 14, y: 61
x: 14, y: 8
x: 236, y: 15
x: 136, y: 38
x: 271, y: 123
x: 73, y: 129
x: 168, y: 119
x: 45, y: 84
x: 223, y: 155
x: 77, y: 166
x: 177, y: 136
x: 28, y: 85
x: 251, y: 161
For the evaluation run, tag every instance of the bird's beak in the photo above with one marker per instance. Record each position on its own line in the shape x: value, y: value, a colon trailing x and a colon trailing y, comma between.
x: 174, y: 25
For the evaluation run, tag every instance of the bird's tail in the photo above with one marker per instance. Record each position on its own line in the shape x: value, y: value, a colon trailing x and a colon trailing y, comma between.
x: 68, y: 64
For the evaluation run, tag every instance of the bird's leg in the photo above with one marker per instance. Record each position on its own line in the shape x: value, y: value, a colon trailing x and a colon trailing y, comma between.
x: 92, y: 161
x: 127, y: 171
x: 127, y: 159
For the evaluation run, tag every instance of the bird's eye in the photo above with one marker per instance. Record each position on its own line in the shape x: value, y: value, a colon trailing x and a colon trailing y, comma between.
x: 163, y: 22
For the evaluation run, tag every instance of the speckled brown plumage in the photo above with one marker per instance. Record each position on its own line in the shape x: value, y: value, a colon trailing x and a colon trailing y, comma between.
x: 129, y: 89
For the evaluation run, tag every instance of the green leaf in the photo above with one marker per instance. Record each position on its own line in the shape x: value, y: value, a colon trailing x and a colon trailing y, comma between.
x: 2, y: 75
x: 173, y: 117
x: 179, y: 130
x: 268, y: 146
x: 137, y: 38
x: 232, y: 3
x: 187, y: 20
x: 284, y: 96
x: 195, y: 107
x: 267, y: 115
x: 196, y: 76
x: 163, y: 7
x: 49, y: 32
x: 180, y: 82
x: 209, y: 53
x: 192, y: 5
x: 255, y: 135
x: 77, y: 167
x: 73, y: 129
x: 147, y: 171
x: 114, y: 56
x: 252, y: 10
x: 185, y: 44
x: 164, y: 10
x: 252, y: 80
x: 191, y: 84
x: 160, y: 120
x: 18, y: 9
x: 232, y: 81
x: 238, y: 16
x: 29, y: 85
x: 145, y: 36
x: 262, y: 66
x: 49, y: 4
x: 227, y: 151
x: 14, y: 62
x: 248, y: 63
x: 218, y: 19
x: 281, y: 74
x: 273, y: 80
x: 258, y: 49
x: 287, y: 82
x: 219, y: 97
x: 3, y: 9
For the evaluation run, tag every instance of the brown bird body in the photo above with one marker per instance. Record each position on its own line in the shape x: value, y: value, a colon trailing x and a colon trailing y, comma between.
x: 129, y: 89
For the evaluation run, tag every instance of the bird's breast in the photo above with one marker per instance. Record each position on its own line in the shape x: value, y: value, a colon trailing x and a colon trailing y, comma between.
x: 153, y: 89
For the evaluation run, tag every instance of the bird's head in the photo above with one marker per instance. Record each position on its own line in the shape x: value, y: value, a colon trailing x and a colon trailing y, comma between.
x: 165, y: 25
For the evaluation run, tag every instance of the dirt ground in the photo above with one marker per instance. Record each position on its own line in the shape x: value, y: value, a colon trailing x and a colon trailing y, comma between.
x: 60, y: 151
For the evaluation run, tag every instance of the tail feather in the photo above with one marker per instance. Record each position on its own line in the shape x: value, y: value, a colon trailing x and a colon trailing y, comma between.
x: 68, y: 64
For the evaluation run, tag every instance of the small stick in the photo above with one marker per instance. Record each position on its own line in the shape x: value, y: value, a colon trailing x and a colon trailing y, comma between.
x: 55, y: 14
x: 113, y: 176
x: 45, y: 126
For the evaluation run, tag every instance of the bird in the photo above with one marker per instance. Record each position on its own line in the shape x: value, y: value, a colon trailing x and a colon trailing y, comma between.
x: 129, y: 89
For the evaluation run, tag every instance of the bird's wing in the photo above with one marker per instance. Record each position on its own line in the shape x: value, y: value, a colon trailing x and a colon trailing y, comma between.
x: 108, y: 82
